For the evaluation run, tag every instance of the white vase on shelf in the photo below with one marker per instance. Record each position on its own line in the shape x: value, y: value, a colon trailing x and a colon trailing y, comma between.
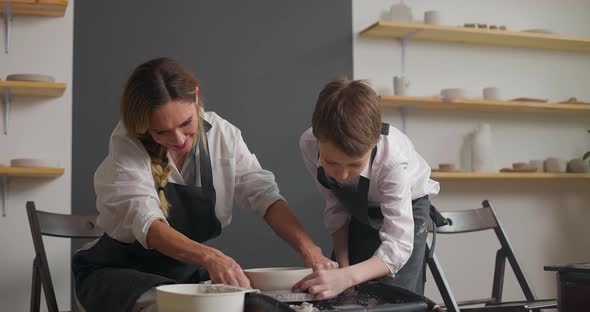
x: 402, y: 13
x: 482, y: 153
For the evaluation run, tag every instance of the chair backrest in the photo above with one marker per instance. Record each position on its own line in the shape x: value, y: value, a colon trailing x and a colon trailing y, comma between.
x: 474, y: 220
x: 57, y: 225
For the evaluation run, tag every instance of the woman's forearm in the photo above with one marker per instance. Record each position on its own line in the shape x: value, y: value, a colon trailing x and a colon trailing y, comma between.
x: 287, y: 226
x: 176, y: 245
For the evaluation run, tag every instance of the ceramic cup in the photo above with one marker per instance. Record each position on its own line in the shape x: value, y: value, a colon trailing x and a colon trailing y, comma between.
x: 491, y: 93
x: 400, y: 85
x: 537, y: 164
x: 432, y: 17
x: 554, y: 164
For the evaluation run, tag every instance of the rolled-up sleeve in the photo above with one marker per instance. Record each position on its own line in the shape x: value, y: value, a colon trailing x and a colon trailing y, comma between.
x: 125, y: 193
x: 397, y: 232
x: 255, y: 188
x: 335, y: 216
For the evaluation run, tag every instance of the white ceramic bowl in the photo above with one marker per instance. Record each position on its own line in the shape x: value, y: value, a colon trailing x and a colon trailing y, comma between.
x: 452, y: 93
x: 279, y: 278
x: 200, y: 297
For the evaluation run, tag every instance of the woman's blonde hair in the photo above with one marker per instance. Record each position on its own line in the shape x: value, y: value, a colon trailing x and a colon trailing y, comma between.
x: 152, y: 84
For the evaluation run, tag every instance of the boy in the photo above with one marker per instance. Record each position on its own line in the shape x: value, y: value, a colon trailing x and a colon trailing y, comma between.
x: 376, y: 189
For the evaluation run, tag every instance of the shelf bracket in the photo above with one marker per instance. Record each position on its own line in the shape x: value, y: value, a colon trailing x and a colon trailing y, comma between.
x: 404, y: 114
x: 403, y: 41
x: 6, y: 98
x: 5, y: 181
x: 7, y: 16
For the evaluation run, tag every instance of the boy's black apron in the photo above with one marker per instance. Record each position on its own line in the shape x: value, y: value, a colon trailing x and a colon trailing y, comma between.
x: 111, y: 275
x: 366, y: 221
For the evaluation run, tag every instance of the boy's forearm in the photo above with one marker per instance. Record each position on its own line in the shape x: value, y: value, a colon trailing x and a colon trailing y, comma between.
x: 369, y: 269
x: 340, y: 241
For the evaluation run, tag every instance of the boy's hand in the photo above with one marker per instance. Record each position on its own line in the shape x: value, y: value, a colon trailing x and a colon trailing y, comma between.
x: 315, y: 259
x: 325, y: 284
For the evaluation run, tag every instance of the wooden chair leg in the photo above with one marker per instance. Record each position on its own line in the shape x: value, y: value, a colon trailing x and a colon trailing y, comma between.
x: 441, y: 283
x: 500, y: 268
x: 36, y: 287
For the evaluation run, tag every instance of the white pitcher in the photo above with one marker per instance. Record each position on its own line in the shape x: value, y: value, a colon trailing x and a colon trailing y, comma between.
x: 482, y: 157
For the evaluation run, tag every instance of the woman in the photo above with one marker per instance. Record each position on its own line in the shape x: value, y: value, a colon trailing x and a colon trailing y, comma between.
x: 167, y: 185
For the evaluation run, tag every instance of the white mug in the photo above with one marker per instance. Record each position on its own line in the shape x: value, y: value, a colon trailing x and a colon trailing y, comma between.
x: 432, y: 17
x: 491, y: 94
x: 400, y: 85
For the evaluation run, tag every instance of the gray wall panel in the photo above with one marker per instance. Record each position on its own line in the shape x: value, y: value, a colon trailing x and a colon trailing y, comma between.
x: 261, y: 64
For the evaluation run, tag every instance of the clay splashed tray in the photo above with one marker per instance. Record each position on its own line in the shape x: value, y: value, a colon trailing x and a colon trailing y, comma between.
x: 289, y: 296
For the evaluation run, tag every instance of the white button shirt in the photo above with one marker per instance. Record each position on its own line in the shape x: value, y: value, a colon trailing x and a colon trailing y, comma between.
x: 397, y: 176
x: 126, y: 196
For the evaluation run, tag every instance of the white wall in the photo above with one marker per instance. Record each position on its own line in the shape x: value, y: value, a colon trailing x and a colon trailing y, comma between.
x: 40, y: 128
x: 543, y: 219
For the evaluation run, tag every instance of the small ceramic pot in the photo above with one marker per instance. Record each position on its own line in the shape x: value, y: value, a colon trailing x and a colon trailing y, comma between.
x: 577, y: 165
x: 554, y: 164
x: 432, y: 17
x: 491, y: 94
x: 537, y: 164
x: 446, y: 167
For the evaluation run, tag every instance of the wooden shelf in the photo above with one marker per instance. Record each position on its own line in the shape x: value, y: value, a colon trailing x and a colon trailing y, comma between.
x: 475, y: 36
x: 37, y: 7
x: 31, y: 172
x: 436, y: 103
x: 29, y: 88
x: 508, y: 176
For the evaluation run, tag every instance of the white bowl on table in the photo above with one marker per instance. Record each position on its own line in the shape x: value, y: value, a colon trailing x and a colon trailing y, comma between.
x: 200, y: 297
x: 277, y: 278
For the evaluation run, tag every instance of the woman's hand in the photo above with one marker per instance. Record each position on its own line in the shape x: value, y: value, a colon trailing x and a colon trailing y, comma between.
x: 225, y: 270
x: 315, y: 259
x: 325, y: 284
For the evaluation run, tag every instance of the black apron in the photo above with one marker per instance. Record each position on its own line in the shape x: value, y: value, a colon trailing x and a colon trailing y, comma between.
x: 366, y: 221
x: 111, y: 275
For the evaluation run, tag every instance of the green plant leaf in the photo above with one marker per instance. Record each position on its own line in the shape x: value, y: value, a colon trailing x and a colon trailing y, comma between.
x: 587, y: 155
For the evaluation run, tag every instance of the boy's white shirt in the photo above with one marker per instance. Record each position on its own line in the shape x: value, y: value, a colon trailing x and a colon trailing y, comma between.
x: 397, y: 176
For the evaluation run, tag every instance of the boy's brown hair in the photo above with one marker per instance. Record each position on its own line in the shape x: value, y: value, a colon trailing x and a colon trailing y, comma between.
x: 347, y: 114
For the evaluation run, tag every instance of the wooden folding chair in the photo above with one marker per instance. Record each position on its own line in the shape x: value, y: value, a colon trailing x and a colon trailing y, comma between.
x: 56, y: 225
x: 476, y: 220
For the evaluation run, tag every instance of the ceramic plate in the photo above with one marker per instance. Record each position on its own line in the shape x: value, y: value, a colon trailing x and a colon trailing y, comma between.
x: 538, y: 30
x: 289, y: 296
x: 32, y: 162
x: 527, y: 99
x: 30, y: 77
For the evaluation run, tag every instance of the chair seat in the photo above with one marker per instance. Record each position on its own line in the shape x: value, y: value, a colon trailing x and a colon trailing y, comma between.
x: 515, y: 306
